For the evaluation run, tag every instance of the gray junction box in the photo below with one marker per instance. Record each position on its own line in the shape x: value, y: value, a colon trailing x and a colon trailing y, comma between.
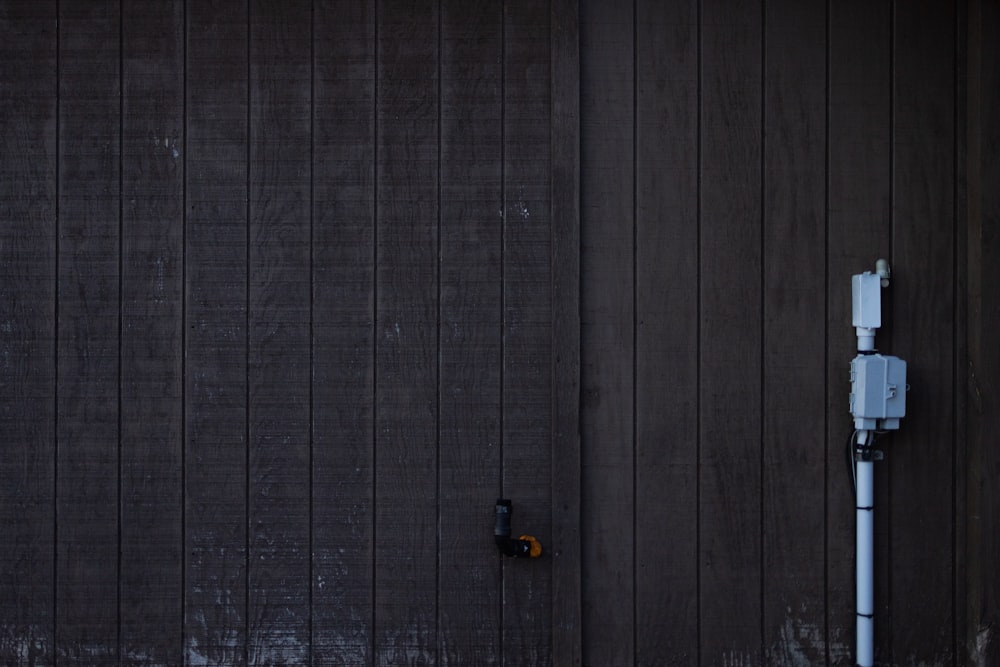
x: 878, y: 392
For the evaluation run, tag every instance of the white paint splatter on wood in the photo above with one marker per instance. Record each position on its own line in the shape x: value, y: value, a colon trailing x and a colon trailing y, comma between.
x: 24, y: 644
x: 983, y: 638
x: 800, y: 644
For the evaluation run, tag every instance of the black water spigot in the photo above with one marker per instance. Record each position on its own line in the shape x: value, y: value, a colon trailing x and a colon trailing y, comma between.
x: 524, y: 546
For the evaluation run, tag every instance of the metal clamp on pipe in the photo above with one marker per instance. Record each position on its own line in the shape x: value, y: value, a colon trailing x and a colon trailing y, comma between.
x: 524, y: 546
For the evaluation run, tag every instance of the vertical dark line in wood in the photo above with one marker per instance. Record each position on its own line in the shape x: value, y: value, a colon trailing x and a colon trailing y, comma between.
x: 958, y: 328
x: 184, y: 328
x: 892, y: 126
x: 121, y: 319
x: 503, y: 297
x: 375, y: 338
x: 826, y: 343
x: 437, y: 378
x: 55, y: 354
x: 635, y: 317
x: 247, y: 342
x: 887, y: 629
x: 762, y: 621
x: 697, y: 339
x: 503, y: 238
x: 312, y: 308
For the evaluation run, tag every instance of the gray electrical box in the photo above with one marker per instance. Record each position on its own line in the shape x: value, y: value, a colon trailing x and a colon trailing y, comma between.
x: 878, y: 392
x: 866, y: 299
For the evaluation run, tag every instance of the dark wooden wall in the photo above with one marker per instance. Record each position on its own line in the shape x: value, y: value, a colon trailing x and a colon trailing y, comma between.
x: 278, y: 329
x: 977, y: 506
x: 291, y: 292
x: 740, y: 160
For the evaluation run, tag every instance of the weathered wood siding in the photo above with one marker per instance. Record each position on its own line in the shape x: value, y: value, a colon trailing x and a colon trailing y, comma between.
x: 977, y: 530
x: 740, y: 160
x: 278, y: 286
x: 290, y: 292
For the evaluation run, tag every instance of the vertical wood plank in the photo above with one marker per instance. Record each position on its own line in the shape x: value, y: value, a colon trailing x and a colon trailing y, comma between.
x: 666, y: 457
x: 794, y: 312
x: 730, y: 334
x: 922, y: 316
x: 87, y: 435
x: 961, y: 338
x: 343, y: 331
x: 978, y: 644
x: 564, y: 207
x: 152, y: 334
x: 608, y: 332
x: 960, y: 335
x: 28, y: 89
x: 279, y: 301
x: 470, y: 334
x: 216, y: 342
x: 527, y: 330
x: 406, y: 454
x: 858, y: 184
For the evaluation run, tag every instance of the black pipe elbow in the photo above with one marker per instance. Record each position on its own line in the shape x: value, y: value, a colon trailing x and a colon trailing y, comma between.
x: 524, y: 546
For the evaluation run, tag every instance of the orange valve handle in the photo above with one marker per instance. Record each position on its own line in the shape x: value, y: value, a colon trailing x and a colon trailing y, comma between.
x: 534, y: 546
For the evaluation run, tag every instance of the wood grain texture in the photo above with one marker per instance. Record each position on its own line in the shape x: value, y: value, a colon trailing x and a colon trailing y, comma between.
x: 280, y: 312
x: 343, y: 255
x: 922, y: 313
x: 470, y: 331
x: 152, y: 333
x: 527, y: 330
x: 608, y: 332
x: 564, y: 207
x: 88, y: 315
x: 666, y: 374
x: 960, y: 333
x: 794, y: 311
x: 976, y: 640
x: 28, y: 85
x: 730, y: 266
x: 406, y: 403
x: 215, y: 612
x: 859, y: 232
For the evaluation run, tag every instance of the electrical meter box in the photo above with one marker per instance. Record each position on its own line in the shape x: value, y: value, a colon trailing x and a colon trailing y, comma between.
x: 878, y: 391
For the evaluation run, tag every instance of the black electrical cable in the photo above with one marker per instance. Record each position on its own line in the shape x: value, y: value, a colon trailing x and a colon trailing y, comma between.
x: 865, y: 451
x: 850, y: 464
